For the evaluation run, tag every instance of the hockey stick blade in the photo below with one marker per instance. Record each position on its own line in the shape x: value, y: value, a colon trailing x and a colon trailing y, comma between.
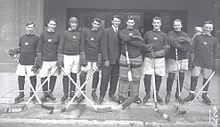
x: 164, y: 116
x: 103, y: 110
x: 50, y: 108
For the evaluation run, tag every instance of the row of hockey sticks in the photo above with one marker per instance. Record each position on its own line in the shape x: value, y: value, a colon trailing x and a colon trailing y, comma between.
x: 97, y: 109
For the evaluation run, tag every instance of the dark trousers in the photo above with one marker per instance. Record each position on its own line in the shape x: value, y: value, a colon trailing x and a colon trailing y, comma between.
x: 109, y: 74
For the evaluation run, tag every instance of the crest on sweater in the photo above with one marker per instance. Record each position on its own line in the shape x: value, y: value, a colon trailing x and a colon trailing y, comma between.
x: 205, y: 43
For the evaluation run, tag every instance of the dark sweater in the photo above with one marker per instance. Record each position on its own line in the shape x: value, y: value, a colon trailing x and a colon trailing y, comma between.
x: 134, y: 44
x: 48, y: 44
x: 184, y: 46
x: 90, y: 44
x: 158, y: 39
x: 205, y: 48
x: 28, y: 46
x: 70, y: 43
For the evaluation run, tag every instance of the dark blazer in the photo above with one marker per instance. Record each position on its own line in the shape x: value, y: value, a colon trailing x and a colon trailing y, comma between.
x: 110, y: 45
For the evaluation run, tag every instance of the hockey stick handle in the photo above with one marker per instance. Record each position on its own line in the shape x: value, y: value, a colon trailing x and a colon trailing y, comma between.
x: 207, y: 81
x: 89, y: 77
x: 177, y: 71
x: 129, y: 64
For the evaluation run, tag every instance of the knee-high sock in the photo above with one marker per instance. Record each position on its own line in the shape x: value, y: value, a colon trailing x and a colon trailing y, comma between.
x: 95, y: 80
x: 21, y: 82
x: 207, y: 86
x: 33, y: 82
x: 147, y: 83
x: 158, y: 82
x: 83, y: 79
x: 45, y: 86
x: 65, y: 84
x: 193, y: 84
x: 72, y: 86
x: 170, y: 80
x: 52, y: 82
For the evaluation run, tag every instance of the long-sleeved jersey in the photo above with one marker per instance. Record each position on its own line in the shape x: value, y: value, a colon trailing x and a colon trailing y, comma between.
x: 134, y: 43
x: 158, y: 39
x: 48, y: 45
x: 28, y: 46
x: 90, y: 44
x: 205, y: 50
x: 183, y: 47
x: 70, y: 43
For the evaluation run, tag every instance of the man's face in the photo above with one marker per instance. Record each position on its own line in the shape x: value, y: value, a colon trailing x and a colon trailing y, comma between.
x: 177, y: 26
x: 73, y: 25
x: 130, y: 24
x: 51, y: 25
x: 30, y: 29
x: 156, y: 24
x: 116, y: 22
x: 95, y: 25
x: 207, y: 28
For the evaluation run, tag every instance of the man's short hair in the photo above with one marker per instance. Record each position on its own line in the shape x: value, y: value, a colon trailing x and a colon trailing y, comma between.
x: 130, y: 18
x: 73, y: 19
x: 115, y: 16
x: 178, y: 20
x: 97, y: 20
x: 29, y: 23
x: 156, y: 18
x: 52, y: 19
x: 208, y: 22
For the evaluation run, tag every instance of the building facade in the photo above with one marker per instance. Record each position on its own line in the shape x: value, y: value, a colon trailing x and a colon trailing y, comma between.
x: 15, y: 14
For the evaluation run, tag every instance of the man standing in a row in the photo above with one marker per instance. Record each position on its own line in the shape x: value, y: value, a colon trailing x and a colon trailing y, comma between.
x: 47, y: 55
x: 203, y: 57
x: 179, y: 47
x: 132, y: 43
x: 90, y: 56
x: 154, y: 58
x: 68, y: 56
x: 111, y: 50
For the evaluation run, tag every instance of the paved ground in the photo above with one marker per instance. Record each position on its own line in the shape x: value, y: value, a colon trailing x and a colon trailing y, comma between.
x: 84, y: 115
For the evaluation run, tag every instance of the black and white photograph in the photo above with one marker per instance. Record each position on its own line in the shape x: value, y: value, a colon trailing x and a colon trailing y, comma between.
x: 109, y: 63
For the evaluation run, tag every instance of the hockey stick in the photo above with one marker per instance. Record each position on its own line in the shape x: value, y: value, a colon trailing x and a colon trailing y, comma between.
x: 178, y: 80
x: 97, y: 109
x: 72, y: 99
x: 130, y: 99
x: 184, y: 112
x: 22, y: 108
x: 156, y: 108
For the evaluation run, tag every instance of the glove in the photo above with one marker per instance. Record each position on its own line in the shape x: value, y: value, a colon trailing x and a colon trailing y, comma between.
x: 157, y: 54
x: 83, y: 61
x: 191, y: 61
x: 107, y: 63
x: 37, y: 65
x: 60, y: 60
x: 181, y: 39
x: 99, y: 62
x: 14, y: 51
x: 147, y: 47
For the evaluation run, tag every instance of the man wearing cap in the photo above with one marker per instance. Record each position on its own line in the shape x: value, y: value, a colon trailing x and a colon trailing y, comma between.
x: 69, y: 56
x: 90, y: 56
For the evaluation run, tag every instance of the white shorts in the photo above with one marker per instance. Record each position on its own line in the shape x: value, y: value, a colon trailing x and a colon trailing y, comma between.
x: 47, y: 68
x: 172, y: 65
x: 71, y: 64
x: 205, y: 72
x: 159, y: 63
x: 24, y: 69
x: 89, y: 66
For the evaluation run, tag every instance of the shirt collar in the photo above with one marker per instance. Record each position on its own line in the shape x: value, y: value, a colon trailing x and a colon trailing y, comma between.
x: 114, y: 28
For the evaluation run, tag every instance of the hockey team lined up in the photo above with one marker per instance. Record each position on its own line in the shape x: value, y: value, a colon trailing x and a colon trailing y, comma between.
x: 122, y: 55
